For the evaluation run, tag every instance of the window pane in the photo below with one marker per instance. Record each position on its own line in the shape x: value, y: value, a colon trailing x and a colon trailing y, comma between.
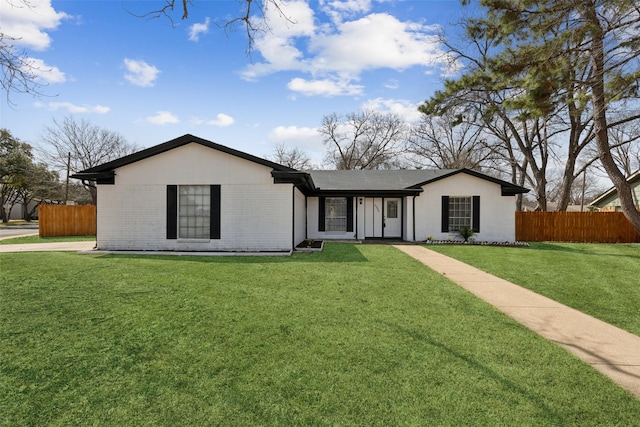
x: 194, y: 212
x: 335, y: 211
x: 460, y: 209
x: 392, y: 209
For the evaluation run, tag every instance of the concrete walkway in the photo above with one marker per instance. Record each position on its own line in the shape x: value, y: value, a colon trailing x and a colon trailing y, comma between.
x: 48, y: 247
x: 609, y: 349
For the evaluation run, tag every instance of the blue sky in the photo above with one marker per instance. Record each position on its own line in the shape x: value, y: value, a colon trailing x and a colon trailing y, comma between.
x: 151, y: 81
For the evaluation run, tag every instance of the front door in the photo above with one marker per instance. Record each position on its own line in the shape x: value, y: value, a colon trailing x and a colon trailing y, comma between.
x: 373, y: 221
x: 392, y: 218
x: 382, y: 217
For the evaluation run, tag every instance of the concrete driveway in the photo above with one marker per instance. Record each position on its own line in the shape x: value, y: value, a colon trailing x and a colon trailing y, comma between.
x: 7, y: 232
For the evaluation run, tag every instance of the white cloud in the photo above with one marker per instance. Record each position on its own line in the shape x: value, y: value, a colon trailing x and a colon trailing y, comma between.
x: 377, y: 41
x: 140, y: 73
x: 73, y: 108
x: 298, y: 20
x: 325, y: 87
x: 308, y: 139
x: 392, y: 84
x: 196, y: 30
x: 162, y: 118
x: 339, y: 9
x: 28, y: 22
x: 292, y: 133
x: 407, y: 110
x: 221, y: 120
x: 340, y: 51
x: 44, y: 73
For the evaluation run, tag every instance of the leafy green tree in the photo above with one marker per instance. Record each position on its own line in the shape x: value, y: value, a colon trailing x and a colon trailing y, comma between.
x: 15, y: 159
x: 38, y: 184
x: 517, y: 138
x: 543, y: 40
x: 21, y: 179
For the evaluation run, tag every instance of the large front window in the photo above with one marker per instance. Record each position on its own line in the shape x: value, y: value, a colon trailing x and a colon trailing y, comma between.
x: 194, y: 211
x: 335, y: 214
x: 460, y: 211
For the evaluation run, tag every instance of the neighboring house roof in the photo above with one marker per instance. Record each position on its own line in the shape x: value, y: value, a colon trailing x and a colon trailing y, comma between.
x: 611, y: 194
x: 530, y: 205
x: 105, y: 170
x: 323, y: 182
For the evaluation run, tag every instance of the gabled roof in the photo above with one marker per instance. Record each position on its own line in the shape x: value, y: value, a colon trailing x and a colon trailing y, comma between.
x: 105, y: 170
x: 380, y: 182
x: 612, y: 192
x: 324, y: 182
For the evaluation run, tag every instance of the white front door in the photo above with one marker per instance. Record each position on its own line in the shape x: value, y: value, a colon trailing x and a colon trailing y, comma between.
x: 382, y: 217
x: 373, y: 221
x: 393, y: 217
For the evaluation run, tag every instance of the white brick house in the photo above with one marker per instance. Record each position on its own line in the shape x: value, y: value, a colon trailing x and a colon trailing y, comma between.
x: 190, y: 194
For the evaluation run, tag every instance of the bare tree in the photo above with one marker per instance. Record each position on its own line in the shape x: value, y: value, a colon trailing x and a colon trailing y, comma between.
x: 19, y: 72
x: 625, y: 146
x: 251, y: 24
x: 85, y: 144
x: 364, y: 140
x: 291, y: 157
x: 450, y: 141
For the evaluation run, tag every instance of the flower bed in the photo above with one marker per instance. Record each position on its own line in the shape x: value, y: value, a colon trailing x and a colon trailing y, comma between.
x: 310, y: 246
x: 474, y: 243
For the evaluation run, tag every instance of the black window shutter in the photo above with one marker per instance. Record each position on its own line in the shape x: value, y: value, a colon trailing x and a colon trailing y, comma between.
x: 475, y: 216
x: 349, y: 213
x: 172, y: 211
x: 445, y: 214
x: 214, y: 214
x: 320, y: 213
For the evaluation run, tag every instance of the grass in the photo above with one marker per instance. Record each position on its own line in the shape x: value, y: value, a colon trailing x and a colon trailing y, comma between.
x: 37, y: 239
x: 601, y: 280
x: 355, y: 335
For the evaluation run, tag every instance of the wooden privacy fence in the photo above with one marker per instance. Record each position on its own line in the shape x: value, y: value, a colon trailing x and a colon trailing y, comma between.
x: 62, y: 220
x: 588, y: 227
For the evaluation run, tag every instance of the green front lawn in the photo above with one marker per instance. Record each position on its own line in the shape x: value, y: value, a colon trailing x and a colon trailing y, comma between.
x: 598, y: 279
x: 355, y: 335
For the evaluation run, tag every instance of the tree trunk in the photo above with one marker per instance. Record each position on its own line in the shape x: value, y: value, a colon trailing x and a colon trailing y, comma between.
x: 567, y: 183
x: 600, y: 119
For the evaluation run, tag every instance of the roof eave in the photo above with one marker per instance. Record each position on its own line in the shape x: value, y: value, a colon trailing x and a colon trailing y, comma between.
x: 367, y: 193
x: 178, y: 142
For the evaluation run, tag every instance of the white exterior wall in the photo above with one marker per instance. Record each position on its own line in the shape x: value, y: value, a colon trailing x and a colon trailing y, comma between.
x: 312, y: 223
x: 497, y: 213
x: 300, y: 217
x: 256, y: 214
x: 407, y: 213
